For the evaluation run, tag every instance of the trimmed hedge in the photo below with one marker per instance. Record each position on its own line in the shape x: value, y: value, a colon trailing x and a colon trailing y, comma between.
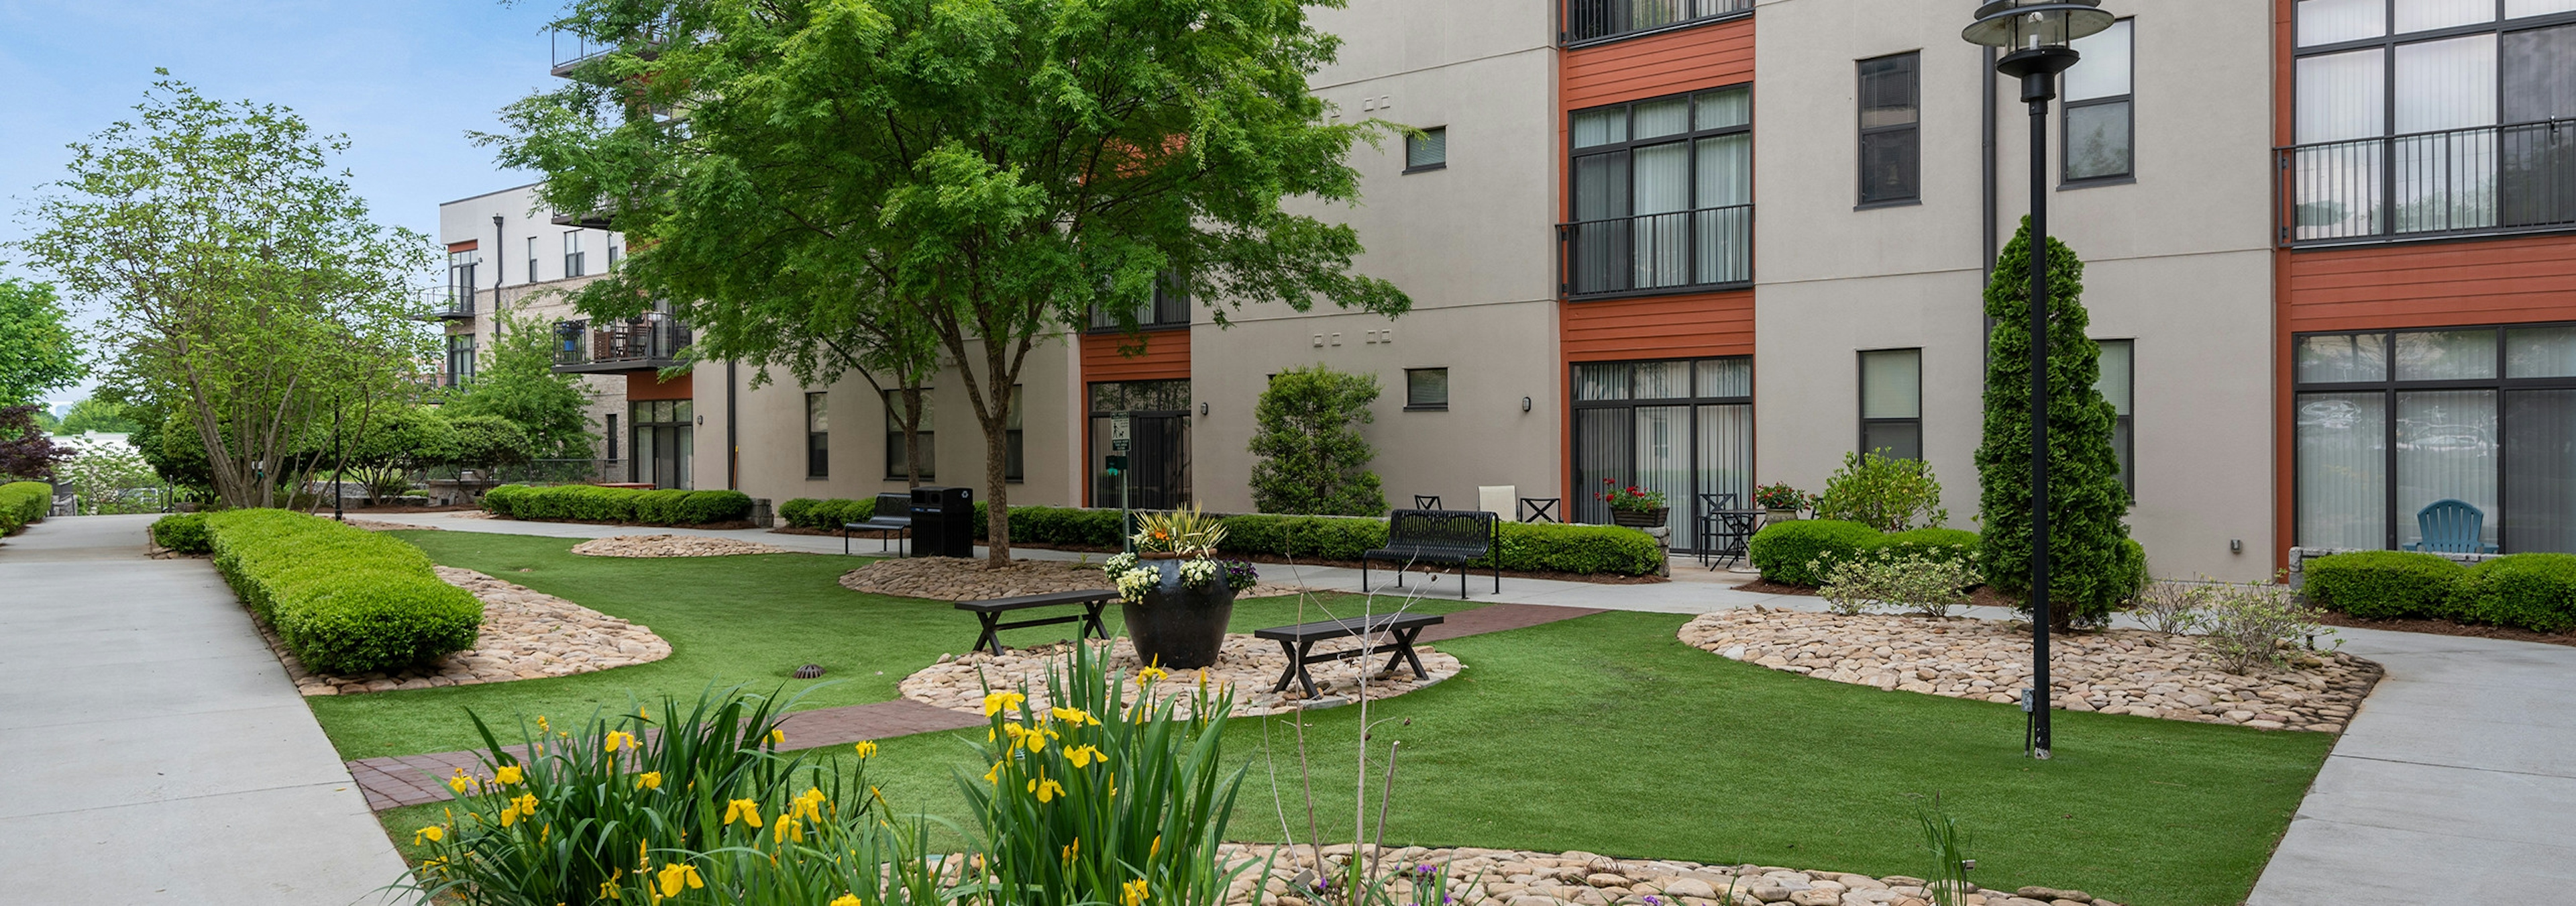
x: 23, y: 502
x: 592, y: 503
x: 183, y: 532
x: 344, y: 600
x: 1782, y: 550
x: 2379, y: 585
x: 2532, y: 591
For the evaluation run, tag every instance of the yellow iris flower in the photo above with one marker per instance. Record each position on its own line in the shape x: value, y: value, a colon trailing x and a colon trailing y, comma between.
x: 1132, y: 893
x: 509, y: 774
x: 994, y: 703
x: 746, y: 809
x: 675, y: 875
x: 845, y: 900
x: 1047, y: 790
x: 1074, y: 716
x: 866, y: 749
x: 788, y: 828
x: 1073, y: 850
x: 1083, y: 756
x: 777, y: 736
x: 527, y: 805
x: 432, y: 833
x: 620, y: 740
x: 994, y: 775
x: 1150, y: 674
x: 1036, y: 741
x: 809, y: 804
x: 649, y: 780
x: 460, y: 783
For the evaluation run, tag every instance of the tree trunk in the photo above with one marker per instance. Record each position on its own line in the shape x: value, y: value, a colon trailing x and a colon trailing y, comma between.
x: 911, y: 396
x: 997, y: 498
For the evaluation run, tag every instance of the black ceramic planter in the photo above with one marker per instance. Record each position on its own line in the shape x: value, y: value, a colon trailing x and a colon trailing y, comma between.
x: 1178, y: 628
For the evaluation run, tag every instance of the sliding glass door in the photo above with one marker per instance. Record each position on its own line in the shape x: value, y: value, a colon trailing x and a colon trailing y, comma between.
x: 1681, y: 427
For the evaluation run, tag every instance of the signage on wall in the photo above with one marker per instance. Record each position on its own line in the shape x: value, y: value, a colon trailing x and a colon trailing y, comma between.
x: 1118, y: 432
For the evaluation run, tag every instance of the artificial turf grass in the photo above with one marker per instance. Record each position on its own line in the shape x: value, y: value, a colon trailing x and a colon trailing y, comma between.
x: 743, y: 619
x: 1608, y: 735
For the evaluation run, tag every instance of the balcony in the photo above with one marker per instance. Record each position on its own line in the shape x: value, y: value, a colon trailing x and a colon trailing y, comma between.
x: 2484, y: 180
x: 447, y: 303
x: 634, y: 344
x: 1679, y: 251
x: 1595, y: 21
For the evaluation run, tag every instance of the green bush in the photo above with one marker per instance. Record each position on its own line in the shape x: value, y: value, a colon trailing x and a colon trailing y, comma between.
x: 343, y: 599
x: 1581, y: 549
x: 703, y: 507
x: 183, y: 532
x: 592, y: 503
x: 1926, y: 542
x: 2379, y: 585
x: 1885, y: 493
x: 660, y: 507
x: 22, y: 502
x: 2528, y: 591
x: 1783, y: 550
x: 1303, y: 537
x: 794, y: 511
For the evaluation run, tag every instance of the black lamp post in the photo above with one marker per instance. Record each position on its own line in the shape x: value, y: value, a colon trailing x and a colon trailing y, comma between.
x: 2035, y: 36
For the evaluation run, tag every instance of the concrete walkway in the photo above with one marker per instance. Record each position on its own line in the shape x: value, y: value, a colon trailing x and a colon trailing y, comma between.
x: 2456, y: 782
x: 151, y: 748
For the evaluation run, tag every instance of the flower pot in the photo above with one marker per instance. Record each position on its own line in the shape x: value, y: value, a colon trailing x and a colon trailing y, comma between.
x: 1175, y: 627
x: 1639, y: 518
x: 1780, y: 514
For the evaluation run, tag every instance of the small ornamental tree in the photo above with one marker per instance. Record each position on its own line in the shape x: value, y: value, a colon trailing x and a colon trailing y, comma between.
x: 25, y: 451
x: 519, y: 384
x: 2087, y: 538
x: 1312, y: 457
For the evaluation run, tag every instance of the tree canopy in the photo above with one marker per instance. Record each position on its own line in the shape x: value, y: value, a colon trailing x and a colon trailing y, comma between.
x: 38, y: 351
x: 517, y: 383
x: 989, y: 173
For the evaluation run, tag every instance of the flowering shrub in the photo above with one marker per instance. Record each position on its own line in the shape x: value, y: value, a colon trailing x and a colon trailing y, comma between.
x: 1930, y: 584
x: 1781, y: 497
x: 2254, y: 627
x: 1631, y: 498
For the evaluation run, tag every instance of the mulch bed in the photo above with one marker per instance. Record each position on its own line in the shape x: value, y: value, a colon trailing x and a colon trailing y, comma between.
x: 2446, y: 627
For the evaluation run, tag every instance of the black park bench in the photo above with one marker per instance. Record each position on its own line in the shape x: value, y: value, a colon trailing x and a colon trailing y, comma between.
x: 892, y: 517
x: 990, y: 613
x: 1436, y: 536
x: 1298, y: 642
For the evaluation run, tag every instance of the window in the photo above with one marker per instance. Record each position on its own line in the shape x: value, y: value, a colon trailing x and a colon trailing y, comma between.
x: 896, y: 468
x: 2098, y: 119
x: 616, y: 250
x: 2118, y: 384
x: 1169, y: 307
x: 611, y: 436
x: 1426, y: 389
x: 1015, y: 460
x: 1600, y: 20
x: 2431, y: 116
x: 665, y: 442
x: 572, y: 254
x: 1891, y: 403
x: 460, y: 359
x: 1427, y: 151
x: 818, y: 437
x: 1663, y: 194
x: 1891, y: 143
x: 2390, y: 422
x: 532, y: 259
x: 1683, y: 427
x: 460, y: 280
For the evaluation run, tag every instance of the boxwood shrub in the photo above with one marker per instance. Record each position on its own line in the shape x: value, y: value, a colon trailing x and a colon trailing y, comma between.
x: 1782, y: 550
x: 22, y: 502
x: 592, y: 503
x: 2528, y: 591
x: 344, y: 600
x: 2379, y: 585
x: 183, y: 532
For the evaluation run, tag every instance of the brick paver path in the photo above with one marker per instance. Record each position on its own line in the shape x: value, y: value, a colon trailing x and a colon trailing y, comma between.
x: 400, y: 780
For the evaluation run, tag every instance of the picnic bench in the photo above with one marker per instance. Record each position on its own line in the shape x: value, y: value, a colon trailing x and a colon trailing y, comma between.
x: 990, y: 613
x: 1298, y: 642
x: 893, y: 516
x: 1435, y: 536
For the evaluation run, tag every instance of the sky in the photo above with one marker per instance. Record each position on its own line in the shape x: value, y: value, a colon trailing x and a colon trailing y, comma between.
x: 405, y: 80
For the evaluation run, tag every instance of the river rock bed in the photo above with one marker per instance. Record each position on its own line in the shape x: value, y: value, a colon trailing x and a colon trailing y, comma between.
x: 526, y: 635
x: 1501, y: 877
x: 672, y: 546
x: 960, y: 579
x: 2126, y: 671
x: 1246, y: 664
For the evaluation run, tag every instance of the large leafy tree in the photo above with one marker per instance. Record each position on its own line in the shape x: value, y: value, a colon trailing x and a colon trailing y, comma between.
x: 518, y: 383
x: 98, y: 414
x: 2092, y: 565
x: 245, y: 288
x: 990, y: 171
x: 38, y: 351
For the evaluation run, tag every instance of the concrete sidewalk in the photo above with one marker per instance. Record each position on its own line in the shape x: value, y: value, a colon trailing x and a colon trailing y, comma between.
x: 2456, y: 782
x: 151, y: 748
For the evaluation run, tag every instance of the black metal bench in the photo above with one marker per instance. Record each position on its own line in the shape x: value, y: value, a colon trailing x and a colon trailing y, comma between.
x: 893, y: 517
x: 1298, y: 642
x: 990, y: 613
x: 1436, y: 536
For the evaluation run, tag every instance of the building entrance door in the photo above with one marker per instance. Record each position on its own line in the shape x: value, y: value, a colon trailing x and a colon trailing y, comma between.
x: 1158, y: 452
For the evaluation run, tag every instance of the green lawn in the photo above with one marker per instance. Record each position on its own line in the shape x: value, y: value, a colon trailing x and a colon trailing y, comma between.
x: 1602, y: 734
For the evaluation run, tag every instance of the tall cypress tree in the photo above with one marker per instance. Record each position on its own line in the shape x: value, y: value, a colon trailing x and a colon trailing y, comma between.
x: 2093, y: 567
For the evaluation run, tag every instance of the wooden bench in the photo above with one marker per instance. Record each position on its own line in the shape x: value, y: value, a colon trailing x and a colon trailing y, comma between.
x: 898, y: 523
x: 990, y: 613
x: 1298, y: 642
x: 1436, y: 536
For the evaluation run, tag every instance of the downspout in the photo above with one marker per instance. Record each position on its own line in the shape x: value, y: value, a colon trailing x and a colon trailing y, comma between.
x: 733, y: 440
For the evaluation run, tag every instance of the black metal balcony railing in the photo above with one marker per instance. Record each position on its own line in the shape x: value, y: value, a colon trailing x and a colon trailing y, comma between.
x: 642, y: 342
x: 439, y: 303
x: 1706, y: 247
x: 2484, y: 179
x: 1594, y: 20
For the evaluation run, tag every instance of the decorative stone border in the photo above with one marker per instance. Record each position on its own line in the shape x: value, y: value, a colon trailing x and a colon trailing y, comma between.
x: 672, y: 546
x: 1503, y: 877
x: 526, y: 635
x: 2129, y: 671
x: 1247, y: 665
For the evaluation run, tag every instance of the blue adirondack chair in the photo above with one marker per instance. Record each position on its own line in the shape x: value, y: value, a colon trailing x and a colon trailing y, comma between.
x: 2451, y: 527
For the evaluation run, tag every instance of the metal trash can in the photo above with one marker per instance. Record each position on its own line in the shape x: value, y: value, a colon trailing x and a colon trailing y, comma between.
x: 943, y: 522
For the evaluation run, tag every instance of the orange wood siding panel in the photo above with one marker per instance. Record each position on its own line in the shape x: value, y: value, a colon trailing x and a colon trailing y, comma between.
x: 1684, y: 60
x: 2478, y: 281
x: 648, y: 385
x: 1166, y: 355
x: 465, y: 246
x: 1658, y: 327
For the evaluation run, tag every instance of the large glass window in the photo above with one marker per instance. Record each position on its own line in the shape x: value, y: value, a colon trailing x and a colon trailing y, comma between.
x: 2392, y: 422
x: 2118, y: 384
x: 1663, y: 194
x: 899, y: 468
x: 460, y: 359
x: 665, y: 445
x: 1426, y: 389
x: 1683, y: 427
x: 460, y: 280
x: 1891, y: 403
x: 2099, y: 120
x: 1891, y: 140
x: 2432, y: 116
x: 1169, y: 306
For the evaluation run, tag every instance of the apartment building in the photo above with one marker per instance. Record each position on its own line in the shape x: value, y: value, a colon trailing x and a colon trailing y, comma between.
x: 1697, y: 245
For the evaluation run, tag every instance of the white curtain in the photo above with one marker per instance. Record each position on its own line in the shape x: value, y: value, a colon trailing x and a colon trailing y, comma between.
x: 2446, y: 449
x: 1662, y: 179
x: 2342, y: 98
x: 1726, y: 377
x: 2516, y: 9
x: 2330, y: 21
x: 1725, y: 455
x: 2343, y: 470
x: 1663, y: 460
x: 2425, y: 15
x: 1725, y: 233
x: 2446, y: 355
x: 2531, y: 352
x: 2540, y: 471
x: 2445, y: 181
